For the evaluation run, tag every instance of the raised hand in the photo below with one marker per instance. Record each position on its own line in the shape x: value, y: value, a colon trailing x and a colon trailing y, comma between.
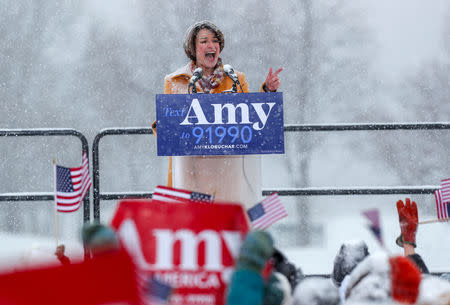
x: 409, y: 220
x: 273, y: 80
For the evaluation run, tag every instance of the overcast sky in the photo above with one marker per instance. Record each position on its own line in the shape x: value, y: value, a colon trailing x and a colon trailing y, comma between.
x: 409, y: 31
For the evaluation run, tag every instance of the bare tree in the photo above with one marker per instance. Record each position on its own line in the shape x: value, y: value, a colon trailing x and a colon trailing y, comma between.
x: 328, y: 70
x: 423, y: 97
x: 23, y: 28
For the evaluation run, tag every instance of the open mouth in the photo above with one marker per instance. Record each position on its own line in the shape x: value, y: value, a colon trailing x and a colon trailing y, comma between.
x: 210, y: 55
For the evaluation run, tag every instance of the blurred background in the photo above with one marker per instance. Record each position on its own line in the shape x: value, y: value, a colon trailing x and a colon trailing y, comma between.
x: 95, y: 64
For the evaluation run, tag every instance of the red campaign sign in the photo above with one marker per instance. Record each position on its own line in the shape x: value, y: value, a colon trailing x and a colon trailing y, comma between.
x: 92, y: 282
x: 190, y: 246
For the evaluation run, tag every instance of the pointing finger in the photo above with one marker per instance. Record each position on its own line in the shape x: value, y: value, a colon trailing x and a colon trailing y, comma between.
x: 278, y: 71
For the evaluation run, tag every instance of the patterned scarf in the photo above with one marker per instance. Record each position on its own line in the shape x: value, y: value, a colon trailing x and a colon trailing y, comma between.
x: 207, y: 83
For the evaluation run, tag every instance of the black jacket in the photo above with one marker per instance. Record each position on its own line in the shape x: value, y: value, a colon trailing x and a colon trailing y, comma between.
x: 419, y: 262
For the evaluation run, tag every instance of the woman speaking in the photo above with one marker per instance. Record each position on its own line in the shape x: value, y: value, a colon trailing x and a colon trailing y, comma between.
x: 229, y: 178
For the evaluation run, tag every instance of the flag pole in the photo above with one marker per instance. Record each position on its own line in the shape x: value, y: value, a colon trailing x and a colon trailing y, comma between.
x: 433, y: 221
x: 169, y: 173
x: 56, y: 205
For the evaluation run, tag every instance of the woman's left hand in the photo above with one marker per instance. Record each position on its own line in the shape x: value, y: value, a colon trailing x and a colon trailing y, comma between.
x: 273, y: 80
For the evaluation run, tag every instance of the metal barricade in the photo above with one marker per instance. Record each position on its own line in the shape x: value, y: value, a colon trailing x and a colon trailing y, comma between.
x: 311, y: 191
x: 43, y: 132
x: 96, y: 167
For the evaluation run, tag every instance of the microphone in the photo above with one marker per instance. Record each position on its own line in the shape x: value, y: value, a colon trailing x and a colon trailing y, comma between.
x: 228, y: 69
x: 196, y: 75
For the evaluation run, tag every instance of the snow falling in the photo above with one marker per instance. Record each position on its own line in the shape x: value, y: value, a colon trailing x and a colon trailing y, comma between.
x: 90, y: 65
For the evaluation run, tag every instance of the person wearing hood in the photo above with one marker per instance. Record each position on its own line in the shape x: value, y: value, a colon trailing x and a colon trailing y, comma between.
x: 229, y: 178
x: 99, y: 239
x: 254, y: 282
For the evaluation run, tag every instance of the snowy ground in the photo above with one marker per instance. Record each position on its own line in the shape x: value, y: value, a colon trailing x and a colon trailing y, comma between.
x: 319, y: 260
x: 24, y: 249
x: 21, y: 250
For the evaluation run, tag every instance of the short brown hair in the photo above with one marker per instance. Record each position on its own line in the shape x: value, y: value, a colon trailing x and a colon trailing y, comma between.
x: 191, y: 35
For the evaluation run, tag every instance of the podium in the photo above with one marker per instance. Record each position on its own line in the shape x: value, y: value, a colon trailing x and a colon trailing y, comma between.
x: 217, y: 140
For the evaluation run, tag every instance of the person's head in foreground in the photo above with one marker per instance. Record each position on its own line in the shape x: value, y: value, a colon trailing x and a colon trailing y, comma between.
x: 98, y: 238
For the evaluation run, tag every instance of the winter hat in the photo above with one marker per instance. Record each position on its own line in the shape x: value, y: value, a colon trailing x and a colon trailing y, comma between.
x: 315, y: 291
x: 191, y: 35
x: 405, y: 280
x: 349, y: 255
x: 99, y: 236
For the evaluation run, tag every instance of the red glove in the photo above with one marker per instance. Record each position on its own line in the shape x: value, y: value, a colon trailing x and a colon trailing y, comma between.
x: 408, y: 218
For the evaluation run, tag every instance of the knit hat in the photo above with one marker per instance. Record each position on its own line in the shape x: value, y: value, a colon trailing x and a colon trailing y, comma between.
x: 405, y: 280
x: 191, y: 35
x: 349, y: 255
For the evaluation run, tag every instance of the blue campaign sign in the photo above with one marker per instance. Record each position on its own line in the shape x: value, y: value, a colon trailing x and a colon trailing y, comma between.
x: 220, y: 124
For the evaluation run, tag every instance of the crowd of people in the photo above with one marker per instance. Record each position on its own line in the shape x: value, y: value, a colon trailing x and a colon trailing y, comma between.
x: 358, y: 276
x: 264, y: 275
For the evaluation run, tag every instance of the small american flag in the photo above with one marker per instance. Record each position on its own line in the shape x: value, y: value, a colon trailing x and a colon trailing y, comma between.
x: 158, y: 292
x: 445, y: 190
x: 441, y: 207
x: 72, y: 184
x: 267, y: 212
x: 169, y: 194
